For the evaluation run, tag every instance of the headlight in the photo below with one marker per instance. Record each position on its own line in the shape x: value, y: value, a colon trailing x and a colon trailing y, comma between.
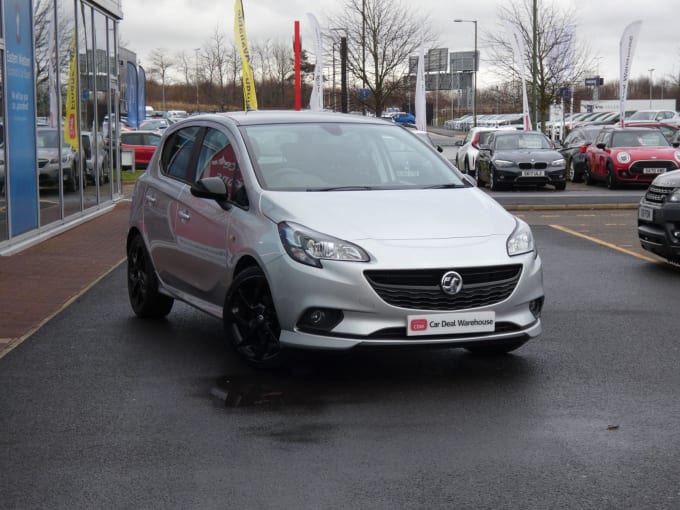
x: 675, y: 196
x: 521, y: 240
x: 310, y: 247
x: 623, y: 157
x: 502, y: 162
x: 558, y: 162
x: 677, y: 155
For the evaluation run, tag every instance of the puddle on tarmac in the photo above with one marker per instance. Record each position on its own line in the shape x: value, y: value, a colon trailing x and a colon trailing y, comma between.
x: 253, y: 391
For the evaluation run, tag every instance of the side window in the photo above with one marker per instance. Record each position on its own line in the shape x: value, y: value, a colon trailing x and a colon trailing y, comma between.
x: 177, y: 151
x: 218, y: 159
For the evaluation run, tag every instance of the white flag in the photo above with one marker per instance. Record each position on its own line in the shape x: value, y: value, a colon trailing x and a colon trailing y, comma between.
x: 316, y: 100
x: 517, y: 44
x: 626, y: 49
x: 421, y: 115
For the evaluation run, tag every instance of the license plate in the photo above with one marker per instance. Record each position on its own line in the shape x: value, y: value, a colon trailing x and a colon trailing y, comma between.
x: 653, y: 170
x: 451, y: 323
x: 533, y: 173
x: 646, y: 213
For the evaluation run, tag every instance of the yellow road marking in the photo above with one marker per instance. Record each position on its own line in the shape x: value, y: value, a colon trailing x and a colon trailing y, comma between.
x: 603, y: 243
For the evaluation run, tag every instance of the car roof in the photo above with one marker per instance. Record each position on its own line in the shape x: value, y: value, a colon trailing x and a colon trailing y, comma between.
x: 285, y: 117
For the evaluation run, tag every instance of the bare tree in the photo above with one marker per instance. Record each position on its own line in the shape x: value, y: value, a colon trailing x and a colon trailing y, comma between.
x: 160, y: 64
x: 381, y: 35
x: 217, y: 64
x: 561, y: 60
x: 283, y: 69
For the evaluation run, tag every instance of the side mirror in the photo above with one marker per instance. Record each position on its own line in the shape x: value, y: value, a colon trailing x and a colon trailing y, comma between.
x: 601, y: 145
x: 484, y: 147
x: 469, y: 179
x: 439, y: 148
x: 212, y: 188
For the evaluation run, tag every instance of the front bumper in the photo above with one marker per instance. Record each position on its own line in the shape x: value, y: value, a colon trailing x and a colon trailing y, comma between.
x: 518, y: 177
x: 368, y: 320
x: 661, y: 234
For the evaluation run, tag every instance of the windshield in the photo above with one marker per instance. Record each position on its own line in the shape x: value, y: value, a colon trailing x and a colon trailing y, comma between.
x: 639, y: 139
x: 521, y: 141
x: 49, y: 139
x: 330, y: 156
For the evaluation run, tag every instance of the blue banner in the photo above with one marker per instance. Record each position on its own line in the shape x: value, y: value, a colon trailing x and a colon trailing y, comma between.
x: 131, y: 96
x: 22, y: 164
x: 141, y: 95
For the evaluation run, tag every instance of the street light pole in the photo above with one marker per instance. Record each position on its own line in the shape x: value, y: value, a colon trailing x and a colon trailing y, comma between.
x: 475, y: 64
x: 196, y: 50
x: 651, y: 72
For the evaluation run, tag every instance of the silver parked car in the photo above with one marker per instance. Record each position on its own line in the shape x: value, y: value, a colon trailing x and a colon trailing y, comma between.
x: 327, y: 231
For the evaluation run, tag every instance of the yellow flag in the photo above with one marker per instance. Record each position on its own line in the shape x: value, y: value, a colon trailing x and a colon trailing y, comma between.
x: 71, y: 123
x: 249, y: 97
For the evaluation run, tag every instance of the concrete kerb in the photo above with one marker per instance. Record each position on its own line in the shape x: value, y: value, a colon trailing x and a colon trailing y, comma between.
x: 567, y: 207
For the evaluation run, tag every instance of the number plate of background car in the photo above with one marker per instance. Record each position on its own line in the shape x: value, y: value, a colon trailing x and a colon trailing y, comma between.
x: 646, y: 213
x: 533, y: 173
x: 653, y: 170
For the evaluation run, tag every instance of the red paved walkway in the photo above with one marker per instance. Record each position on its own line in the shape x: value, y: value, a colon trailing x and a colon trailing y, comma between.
x: 38, y: 282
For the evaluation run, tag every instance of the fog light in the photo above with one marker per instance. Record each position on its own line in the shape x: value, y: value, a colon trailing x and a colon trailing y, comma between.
x: 536, y: 306
x: 320, y: 319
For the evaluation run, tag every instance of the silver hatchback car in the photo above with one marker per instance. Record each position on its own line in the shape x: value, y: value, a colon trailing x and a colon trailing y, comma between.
x: 327, y: 231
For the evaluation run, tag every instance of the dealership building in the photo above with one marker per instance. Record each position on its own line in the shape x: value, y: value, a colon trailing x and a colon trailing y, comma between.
x: 61, y: 83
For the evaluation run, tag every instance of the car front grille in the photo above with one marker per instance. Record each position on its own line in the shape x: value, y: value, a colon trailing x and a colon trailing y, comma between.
x: 420, y: 290
x: 639, y: 166
x: 658, y: 194
x: 541, y: 165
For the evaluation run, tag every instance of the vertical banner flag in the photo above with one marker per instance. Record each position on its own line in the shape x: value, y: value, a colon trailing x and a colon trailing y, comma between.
x: 421, y: 120
x: 626, y: 49
x: 131, y: 95
x: 71, y: 123
x: 518, y: 50
x: 316, y: 100
x: 141, y: 94
x: 249, y: 97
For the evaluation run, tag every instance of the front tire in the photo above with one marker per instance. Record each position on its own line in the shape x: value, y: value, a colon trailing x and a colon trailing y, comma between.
x: 146, y: 301
x: 587, y: 178
x: 250, y: 319
x: 493, y: 182
x: 574, y: 176
x: 612, y: 183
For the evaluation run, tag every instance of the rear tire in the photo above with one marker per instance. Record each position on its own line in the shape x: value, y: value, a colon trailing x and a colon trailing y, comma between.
x: 146, y: 301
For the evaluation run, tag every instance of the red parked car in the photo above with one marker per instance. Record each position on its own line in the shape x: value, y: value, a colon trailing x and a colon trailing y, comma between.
x: 144, y: 144
x: 629, y: 156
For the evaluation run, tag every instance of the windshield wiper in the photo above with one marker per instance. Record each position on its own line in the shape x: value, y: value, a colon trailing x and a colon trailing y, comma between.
x: 445, y: 186
x: 343, y: 188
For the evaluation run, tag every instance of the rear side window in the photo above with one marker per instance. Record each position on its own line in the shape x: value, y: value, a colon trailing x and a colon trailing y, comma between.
x: 177, y: 154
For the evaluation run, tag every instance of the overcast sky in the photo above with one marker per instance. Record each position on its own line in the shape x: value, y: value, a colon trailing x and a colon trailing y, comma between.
x: 176, y: 25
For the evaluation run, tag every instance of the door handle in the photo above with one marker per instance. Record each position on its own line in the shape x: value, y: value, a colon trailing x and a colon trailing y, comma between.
x: 184, y: 215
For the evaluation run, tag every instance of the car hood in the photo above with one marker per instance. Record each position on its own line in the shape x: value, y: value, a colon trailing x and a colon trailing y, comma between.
x: 544, y: 155
x: 647, y: 152
x: 392, y: 215
x: 48, y: 153
x: 668, y: 180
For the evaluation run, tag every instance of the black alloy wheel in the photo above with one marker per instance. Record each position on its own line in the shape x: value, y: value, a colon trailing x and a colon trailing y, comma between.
x: 250, y: 319
x: 612, y: 183
x: 587, y: 177
x: 146, y: 301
